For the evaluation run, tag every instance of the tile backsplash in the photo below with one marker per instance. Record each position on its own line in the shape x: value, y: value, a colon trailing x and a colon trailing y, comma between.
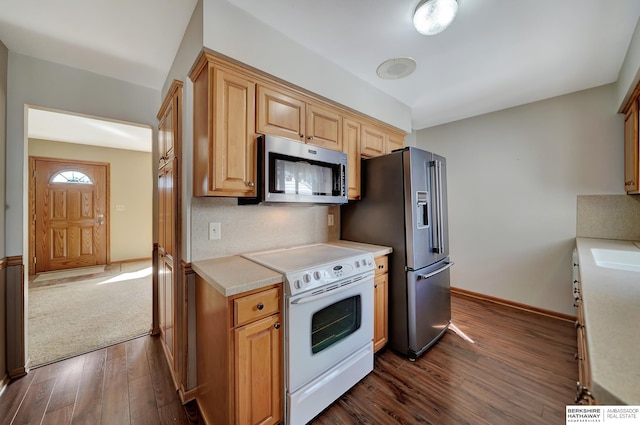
x: 608, y: 217
x: 248, y: 228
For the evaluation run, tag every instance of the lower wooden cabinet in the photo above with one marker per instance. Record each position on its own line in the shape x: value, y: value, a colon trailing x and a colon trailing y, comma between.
x: 240, y: 359
x: 583, y: 386
x: 381, y: 302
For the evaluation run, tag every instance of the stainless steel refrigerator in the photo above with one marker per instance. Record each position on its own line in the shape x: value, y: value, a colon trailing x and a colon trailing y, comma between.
x: 404, y: 205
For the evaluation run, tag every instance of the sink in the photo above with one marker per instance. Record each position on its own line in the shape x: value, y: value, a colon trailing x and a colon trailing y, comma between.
x: 617, y: 259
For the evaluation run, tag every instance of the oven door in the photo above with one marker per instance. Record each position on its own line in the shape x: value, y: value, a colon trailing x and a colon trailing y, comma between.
x: 326, y: 328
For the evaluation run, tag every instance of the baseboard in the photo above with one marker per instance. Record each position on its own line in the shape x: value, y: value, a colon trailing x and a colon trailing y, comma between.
x: 513, y: 304
x: 132, y: 260
x: 186, y: 395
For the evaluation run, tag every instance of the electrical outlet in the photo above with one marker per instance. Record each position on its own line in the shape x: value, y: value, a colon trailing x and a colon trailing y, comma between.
x: 214, y: 231
x: 330, y: 219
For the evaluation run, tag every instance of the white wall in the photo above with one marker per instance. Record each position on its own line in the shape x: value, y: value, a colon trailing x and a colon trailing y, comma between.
x: 45, y: 84
x: 513, y: 178
x: 233, y: 32
x: 630, y: 71
x: 130, y: 185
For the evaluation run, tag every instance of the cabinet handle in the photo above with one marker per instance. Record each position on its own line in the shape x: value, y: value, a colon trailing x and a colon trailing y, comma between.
x: 375, y: 286
x: 578, y: 325
x: 310, y: 137
x: 381, y: 266
x: 301, y: 136
x: 251, y: 184
x: 277, y: 325
x: 260, y: 306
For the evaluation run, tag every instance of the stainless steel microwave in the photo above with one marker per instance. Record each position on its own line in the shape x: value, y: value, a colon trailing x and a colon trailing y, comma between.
x: 294, y: 172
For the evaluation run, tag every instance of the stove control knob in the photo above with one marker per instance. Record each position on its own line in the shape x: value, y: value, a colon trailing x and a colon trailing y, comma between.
x: 357, y: 263
x: 306, y: 278
x: 316, y: 275
x: 297, y: 284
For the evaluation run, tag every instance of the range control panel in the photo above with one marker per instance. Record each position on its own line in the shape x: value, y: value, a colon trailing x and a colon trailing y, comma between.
x: 325, y: 274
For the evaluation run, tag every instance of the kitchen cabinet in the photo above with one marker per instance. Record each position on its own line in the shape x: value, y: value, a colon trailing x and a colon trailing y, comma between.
x: 166, y: 252
x: 631, y: 149
x: 234, y: 103
x: 239, y: 355
x: 381, y: 312
x: 166, y: 131
x: 170, y: 315
x: 583, y: 393
x: 224, y: 131
x: 285, y: 113
x: 376, y: 141
x: 351, y: 146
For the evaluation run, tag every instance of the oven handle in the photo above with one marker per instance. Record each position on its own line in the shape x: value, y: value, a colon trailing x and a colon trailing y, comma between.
x: 310, y: 298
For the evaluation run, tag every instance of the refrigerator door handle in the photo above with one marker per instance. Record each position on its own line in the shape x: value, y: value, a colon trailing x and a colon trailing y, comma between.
x: 438, y: 225
x: 440, y: 270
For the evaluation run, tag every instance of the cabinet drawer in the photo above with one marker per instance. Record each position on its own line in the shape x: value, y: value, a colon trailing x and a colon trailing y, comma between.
x: 382, y: 265
x: 255, y: 306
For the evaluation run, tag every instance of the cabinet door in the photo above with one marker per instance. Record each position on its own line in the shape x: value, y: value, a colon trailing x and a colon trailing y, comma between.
x: 380, y: 330
x: 351, y: 146
x: 631, y: 141
x: 258, y: 369
x: 394, y: 141
x: 372, y: 142
x: 234, y: 138
x: 324, y: 127
x: 280, y: 113
x: 167, y: 298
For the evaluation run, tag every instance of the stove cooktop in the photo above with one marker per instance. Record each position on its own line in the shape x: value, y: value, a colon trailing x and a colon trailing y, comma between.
x: 311, y: 266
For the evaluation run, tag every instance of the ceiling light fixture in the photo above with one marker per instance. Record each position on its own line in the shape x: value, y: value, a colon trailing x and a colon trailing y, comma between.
x: 433, y: 16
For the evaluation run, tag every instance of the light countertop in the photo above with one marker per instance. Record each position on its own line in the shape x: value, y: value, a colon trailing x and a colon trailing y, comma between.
x: 611, y: 302
x: 376, y: 250
x: 235, y: 274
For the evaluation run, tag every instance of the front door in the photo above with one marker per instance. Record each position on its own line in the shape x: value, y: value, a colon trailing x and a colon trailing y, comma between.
x: 71, y: 214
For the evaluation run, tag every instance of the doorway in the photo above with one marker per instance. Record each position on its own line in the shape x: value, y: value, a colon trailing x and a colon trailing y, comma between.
x: 90, y: 233
x: 71, y: 219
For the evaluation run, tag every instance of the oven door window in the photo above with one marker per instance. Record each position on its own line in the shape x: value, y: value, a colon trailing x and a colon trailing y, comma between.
x: 298, y: 176
x: 334, y: 323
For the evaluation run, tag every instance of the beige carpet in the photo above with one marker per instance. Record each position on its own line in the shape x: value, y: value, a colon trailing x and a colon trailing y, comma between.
x: 73, y: 316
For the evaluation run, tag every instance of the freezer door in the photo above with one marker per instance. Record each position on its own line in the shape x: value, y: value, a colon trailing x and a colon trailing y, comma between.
x: 429, y: 306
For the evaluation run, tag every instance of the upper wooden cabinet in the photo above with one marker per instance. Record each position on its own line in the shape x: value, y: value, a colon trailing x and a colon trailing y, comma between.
x: 372, y: 141
x: 351, y: 146
x: 234, y: 103
x: 394, y: 141
x: 169, y: 124
x: 377, y: 141
x: 280, y: 113
x: 288, y: 114
x: 631, y: 149
x: 224, y: 131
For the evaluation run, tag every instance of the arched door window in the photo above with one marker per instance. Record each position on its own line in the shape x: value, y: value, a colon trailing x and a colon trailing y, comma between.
x: 71, y: 176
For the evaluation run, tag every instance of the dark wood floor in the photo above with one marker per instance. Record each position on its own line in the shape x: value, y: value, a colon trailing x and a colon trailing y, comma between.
x: 521, y: 370
x: 128, y: 383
